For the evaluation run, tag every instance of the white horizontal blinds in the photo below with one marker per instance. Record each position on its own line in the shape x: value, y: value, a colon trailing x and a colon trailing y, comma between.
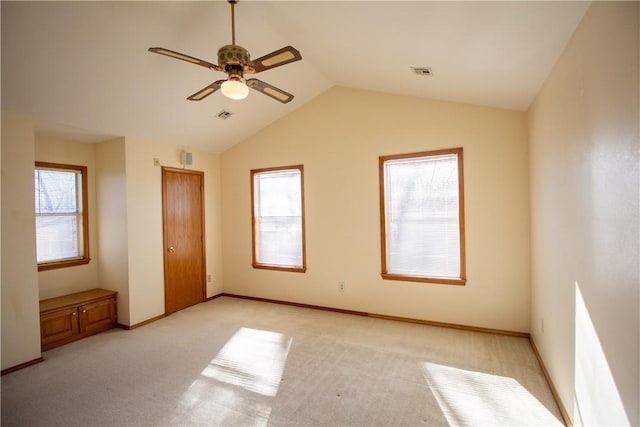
x: 58, y: 214
x: 422, y: 216
x: 278, y: 218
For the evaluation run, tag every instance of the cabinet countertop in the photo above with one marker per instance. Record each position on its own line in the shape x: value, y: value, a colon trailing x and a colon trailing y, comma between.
x: 75, y: 299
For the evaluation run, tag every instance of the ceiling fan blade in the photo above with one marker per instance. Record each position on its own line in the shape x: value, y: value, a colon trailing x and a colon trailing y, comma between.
x: 274, y: 59
x: 203, y: 93
x: 182, y: 56
x: 269, y: 90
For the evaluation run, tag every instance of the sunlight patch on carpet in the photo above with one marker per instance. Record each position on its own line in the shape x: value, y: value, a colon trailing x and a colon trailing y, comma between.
x: 208, y: 402
x: 475, y: 398
x: 252, y: 359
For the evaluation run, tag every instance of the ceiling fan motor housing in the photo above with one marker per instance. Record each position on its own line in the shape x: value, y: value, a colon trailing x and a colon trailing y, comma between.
x: 232, y: 55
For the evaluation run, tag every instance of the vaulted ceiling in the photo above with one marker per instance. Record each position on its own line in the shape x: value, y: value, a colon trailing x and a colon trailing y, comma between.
x: 82, y: 69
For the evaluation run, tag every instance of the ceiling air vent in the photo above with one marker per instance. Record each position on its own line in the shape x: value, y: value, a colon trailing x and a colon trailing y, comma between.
x: 422, y: 71
x: 224, y: 114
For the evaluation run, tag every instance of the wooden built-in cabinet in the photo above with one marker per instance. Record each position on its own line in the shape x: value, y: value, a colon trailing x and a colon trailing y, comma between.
x: 72, y: 317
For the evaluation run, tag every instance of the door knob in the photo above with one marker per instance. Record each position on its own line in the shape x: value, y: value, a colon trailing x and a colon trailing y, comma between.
x: 171, y: 249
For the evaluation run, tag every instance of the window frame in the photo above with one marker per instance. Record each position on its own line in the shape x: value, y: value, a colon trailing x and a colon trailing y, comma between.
x: 84, y: 235
x: 461, y: 225
x: 254, y: 240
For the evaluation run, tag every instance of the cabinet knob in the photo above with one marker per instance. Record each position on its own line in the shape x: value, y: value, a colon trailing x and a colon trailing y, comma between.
x: 171, y: 249
x: 73, y: 314
x: 84, y: 311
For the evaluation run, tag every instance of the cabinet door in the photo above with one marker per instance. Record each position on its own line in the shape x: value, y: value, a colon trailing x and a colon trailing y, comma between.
x: 99, y: 316
x: 58, y: 327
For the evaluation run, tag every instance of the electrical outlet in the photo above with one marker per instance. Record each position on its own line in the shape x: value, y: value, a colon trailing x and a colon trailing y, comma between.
x: 542, y: 325
x: 208, y: 278
x: 341, y: 286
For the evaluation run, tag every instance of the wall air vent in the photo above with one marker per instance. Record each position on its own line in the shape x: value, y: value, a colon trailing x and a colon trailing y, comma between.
x: 224, y: 114
x: 422, y: 71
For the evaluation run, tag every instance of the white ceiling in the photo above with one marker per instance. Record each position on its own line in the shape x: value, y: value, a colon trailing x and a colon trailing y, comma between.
x: 82, y: 69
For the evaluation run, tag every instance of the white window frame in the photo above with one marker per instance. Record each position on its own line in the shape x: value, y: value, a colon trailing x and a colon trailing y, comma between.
x: 459, y: 279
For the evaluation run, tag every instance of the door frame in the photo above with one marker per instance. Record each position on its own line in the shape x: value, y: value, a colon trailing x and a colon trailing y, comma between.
x: 165, y: 246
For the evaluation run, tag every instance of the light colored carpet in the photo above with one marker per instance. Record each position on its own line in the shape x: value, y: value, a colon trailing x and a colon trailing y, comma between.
x: 237, y: 362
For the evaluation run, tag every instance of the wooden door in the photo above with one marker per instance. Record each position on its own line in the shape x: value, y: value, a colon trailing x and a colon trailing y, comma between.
x: 183, y: 228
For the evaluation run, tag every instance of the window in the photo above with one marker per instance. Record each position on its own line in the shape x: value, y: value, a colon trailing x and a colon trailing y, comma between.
x: 62, y: 231
x: 278, y: 218
x: 422, y: 217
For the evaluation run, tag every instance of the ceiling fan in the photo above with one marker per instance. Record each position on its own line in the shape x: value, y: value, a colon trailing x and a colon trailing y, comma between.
x: 235, y: 61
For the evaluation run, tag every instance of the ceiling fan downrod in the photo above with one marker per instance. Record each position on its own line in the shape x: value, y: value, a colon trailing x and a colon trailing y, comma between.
x: 233, y: 21
x: 231, y: 57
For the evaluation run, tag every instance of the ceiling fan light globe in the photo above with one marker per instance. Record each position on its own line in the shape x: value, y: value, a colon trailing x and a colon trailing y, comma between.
x: 234, y: 89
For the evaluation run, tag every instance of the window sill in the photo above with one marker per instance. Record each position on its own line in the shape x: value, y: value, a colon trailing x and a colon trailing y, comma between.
x: 279, y: 268
x: 62, y: 264
x: 436, y: 280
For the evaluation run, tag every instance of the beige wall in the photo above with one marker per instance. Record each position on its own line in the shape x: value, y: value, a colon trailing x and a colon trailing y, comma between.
x: 338, y: 137
x: 20, y: 311
x: 144, y: 219
x: 144, y: 214
x: 53, y: 283
x: 585, y: 218
x: 112, y: 226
